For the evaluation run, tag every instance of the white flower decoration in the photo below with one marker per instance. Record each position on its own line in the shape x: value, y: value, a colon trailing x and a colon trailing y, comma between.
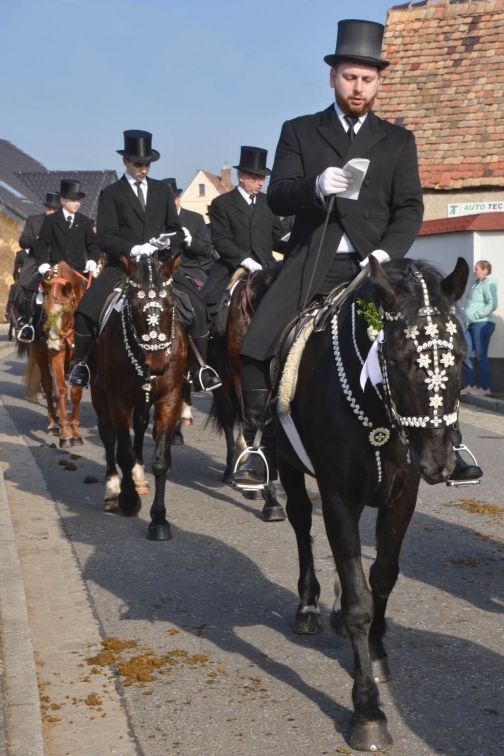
x: 379, y: 436
x: 451, y: 327
x: 153, y: 334
x: 146, y: 337
x: 153, y: 320
x: 152, y: 294
x: 411, y: 332
x: 141, y: 295
x: 436, y: 401
x: 162, y: 337
x: 436, y: 381
x: 436, y: 420
x: 372, y: 333
x: 424, y: 361
x: 448, y: 360
x: 431, y: 330
x: 163, y: 293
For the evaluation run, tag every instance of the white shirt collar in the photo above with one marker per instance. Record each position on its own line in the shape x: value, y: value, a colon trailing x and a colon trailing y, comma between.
x: 66, y: 213
x: 342, y: 115
x: 245, y: 196
x: 133, y: 181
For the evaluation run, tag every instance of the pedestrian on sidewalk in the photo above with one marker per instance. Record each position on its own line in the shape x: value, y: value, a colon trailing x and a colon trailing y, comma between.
x: 480, y: 324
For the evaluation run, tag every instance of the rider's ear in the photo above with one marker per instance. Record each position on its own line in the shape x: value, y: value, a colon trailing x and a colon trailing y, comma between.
x: 169, y: 267
x: 454, y: 284
x: 382, y: 282
x: 129, y: 266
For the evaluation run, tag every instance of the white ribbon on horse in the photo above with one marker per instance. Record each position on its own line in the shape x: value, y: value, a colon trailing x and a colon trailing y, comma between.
x: 371, y: 369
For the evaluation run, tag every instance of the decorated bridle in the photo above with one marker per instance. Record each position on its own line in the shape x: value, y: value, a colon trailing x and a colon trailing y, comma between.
x: 155, y: 340
x: 52, y: 278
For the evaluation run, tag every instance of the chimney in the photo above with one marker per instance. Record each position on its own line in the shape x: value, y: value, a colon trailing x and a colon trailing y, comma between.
x: 226, y: 177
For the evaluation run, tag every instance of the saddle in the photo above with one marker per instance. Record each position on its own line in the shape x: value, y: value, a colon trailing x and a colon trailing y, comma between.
x: 218, y: 323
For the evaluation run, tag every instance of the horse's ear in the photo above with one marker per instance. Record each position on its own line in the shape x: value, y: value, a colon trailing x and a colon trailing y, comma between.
x: 129, y: 265
x: 381, y: 281
x: 454, y: 284
x: 169, y: 267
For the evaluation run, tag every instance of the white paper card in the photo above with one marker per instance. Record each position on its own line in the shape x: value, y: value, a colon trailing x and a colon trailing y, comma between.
x: 358, y: 168
x: 371, y: 369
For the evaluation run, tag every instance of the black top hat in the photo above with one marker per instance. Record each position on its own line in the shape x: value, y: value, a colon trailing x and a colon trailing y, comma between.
x: 172, y: 183
x: 253, y: 160
x: 360, y: 41
x: 52, y: 200
x: 71, y: 188
x: 138, y: 147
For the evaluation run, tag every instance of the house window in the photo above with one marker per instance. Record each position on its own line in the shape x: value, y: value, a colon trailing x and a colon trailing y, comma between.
x: 201, y: 190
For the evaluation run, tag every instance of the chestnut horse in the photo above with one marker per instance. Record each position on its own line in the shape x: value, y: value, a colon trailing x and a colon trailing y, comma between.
x: 50, y: 354
x: 139, y: 361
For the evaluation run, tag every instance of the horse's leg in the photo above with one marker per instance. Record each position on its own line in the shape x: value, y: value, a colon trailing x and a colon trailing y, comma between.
x: 391, y: 526
x: 226, y: 413
x: 369, y: 723
x: 140, y: 424
x: 272, y: 510
x: 57, y: 360
x: 47, y: 386
x: 108, y: 439
x: 129, y: 500
x: 299, y: 512
x: 75, y: 398
x: 186, y: 417
x: 166, y: 415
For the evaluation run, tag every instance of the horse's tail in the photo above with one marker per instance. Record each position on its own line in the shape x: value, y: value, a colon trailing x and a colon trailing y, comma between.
x: 224, y: 413
x: 22, y: 349
x: 31, y: 377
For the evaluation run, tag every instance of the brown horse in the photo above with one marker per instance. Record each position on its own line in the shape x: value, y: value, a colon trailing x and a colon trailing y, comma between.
x: 227, y: 410
x: 50, y: 354
x: 139, y: 361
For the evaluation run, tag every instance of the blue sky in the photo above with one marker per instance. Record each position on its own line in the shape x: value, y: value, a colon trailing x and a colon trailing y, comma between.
x: 204, y: 76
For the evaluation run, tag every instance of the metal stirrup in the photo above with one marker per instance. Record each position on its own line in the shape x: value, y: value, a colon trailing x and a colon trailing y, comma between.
x: 255, y: 449
x: 456, y: 483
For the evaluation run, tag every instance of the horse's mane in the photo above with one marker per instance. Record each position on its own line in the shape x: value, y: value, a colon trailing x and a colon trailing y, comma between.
x: 411, y: 298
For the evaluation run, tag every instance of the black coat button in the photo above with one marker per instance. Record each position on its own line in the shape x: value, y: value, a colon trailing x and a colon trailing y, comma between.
x: 366, y: 182
x: 366, y: 215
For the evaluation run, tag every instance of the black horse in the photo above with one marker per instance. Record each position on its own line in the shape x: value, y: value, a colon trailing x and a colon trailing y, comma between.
x: 370, y: 448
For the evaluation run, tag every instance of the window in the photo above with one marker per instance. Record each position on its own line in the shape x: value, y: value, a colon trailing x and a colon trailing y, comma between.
x: 201, y: 190
x: 13, y: 191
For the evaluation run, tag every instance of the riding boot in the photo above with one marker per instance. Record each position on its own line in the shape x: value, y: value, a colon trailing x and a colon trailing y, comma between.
x: 80, y: 375
x: 464, y: 471
x: 260, y: 431
x: 203, y: 377
x: 27, y: 333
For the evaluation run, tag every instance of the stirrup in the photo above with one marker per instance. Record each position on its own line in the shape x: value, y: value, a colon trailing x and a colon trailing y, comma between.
x: 251, y: 486
x: 456, y: 483
x: 26, y: 340
x: 204, y: 369
x: 88, y: 379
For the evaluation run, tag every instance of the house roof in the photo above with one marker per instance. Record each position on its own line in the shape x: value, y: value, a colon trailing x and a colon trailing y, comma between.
x: 16, y: 200
x: 92, y: 182
x: 446, y: 84
x: 221, y: 186
x: 480, y: 222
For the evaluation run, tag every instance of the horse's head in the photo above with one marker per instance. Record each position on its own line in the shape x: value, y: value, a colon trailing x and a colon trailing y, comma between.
x: 421, y: 357
x: 63, y: 289
x: 150, y: 309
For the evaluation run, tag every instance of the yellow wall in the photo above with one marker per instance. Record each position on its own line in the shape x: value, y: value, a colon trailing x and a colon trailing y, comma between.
x: 9, y: 236
x: 190, y: 199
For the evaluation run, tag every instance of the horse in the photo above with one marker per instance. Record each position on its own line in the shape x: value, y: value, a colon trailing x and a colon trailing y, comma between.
x: 138, y: 361
x: 370, y: 447
x: 49, y: 355
x: 247, y: 289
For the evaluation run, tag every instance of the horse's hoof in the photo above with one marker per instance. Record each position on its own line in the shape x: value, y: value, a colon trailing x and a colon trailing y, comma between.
x: 178, y: 439
x: 370, y: 737
x: 251, y: 495
x: 228, y: 475
x: 130, y: 504
x: 53, y: 431
x: 77, y: 441
x: 273, y: 514
x: 159, y: 532
x: 142, y: 490
x: 65, y: 443
x: 186, y: 421
x: 307, y: 624
x: 337, y: 624
x: 111, y: 505
x: 380, y: 670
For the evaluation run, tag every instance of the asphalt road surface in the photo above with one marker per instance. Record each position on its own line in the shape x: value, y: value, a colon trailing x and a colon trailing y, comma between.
x: 216, y: 604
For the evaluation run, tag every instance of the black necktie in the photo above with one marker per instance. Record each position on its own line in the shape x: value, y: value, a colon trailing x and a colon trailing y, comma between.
x: 69, y: 221
x: 351, y: 120
x: 140, y: 194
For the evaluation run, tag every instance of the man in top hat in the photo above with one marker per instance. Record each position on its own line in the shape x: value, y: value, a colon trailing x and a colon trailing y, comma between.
x: 137, y: 217
x: 65, y: 235
x: 197, y: 254
x: 244, y: 230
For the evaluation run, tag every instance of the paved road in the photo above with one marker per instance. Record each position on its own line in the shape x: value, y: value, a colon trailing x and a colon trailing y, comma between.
x: 216, y: 604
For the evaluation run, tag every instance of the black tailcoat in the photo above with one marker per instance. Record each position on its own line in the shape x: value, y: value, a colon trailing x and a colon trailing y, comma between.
x: 238, y: 233
x: 31, y: 231
x: 57, y: 242
x: 387, y: 215
x: 200, y: 252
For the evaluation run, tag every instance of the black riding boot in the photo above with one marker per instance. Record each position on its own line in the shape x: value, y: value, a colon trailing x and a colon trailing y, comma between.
x: 203, y: 377
x: 25, y: 322
x: 80, y: 375
x: 463, y: 473
x: 258, y: 417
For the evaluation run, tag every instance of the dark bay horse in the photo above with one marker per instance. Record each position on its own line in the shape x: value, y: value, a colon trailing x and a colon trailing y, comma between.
x: 370, y: 448
x: 247, y: 291
x: 139, y: 362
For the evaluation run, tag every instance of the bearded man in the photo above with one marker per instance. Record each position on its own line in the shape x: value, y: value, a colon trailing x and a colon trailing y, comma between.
x: 383, y: 221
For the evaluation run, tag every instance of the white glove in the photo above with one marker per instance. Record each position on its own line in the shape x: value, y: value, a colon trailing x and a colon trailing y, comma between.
x: 378, y: 254
x: 143, y: 249
x: 44, y: 268
x: 90, y: 266
x: 187, y: 236
x: 162, y: 242
x: 250, y: 264
x: 334, y: 181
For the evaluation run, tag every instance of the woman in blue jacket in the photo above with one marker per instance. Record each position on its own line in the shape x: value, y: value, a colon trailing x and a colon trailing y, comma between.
x: 478, y: 319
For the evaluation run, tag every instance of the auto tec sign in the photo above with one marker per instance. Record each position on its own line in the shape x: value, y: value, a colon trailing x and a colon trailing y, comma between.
x: 473, y: 208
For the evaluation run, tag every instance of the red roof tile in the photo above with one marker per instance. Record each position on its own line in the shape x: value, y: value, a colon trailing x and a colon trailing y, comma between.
x: 480, y: 222
x: 221, y: 186
x: 446, y: 84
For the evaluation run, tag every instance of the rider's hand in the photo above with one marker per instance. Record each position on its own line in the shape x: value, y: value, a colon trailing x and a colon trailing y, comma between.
x: 334, y: 181
x: 143, y: 249
x: 44, y: 268
x: 90, y: 266
x: 162, y: 242
x: 187, y: 236
x: 378, y: 254
x: 250, y: 264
